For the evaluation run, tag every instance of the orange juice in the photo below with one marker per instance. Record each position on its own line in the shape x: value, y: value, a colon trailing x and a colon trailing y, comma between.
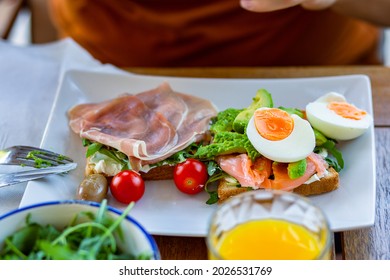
x: 269, y: 239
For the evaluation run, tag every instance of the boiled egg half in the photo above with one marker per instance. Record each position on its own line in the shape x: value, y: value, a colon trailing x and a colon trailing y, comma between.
x: 336, y: 118
x: 279, y: 136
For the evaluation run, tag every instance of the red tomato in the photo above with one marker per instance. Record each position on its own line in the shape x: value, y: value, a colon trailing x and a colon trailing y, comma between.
x: 190, y: 176
x: 127, y: 186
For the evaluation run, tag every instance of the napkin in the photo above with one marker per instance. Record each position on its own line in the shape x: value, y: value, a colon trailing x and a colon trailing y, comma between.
x: 29, y: 78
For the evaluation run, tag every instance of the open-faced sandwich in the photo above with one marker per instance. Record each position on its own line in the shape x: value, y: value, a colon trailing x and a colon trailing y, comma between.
x: 148, y: 133
x: 254, y: 148
x: 262, y: 147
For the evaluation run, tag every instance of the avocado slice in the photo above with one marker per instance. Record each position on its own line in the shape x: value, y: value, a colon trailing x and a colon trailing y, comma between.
x: 262, y: 99
x: 224, y: 120
x: 296, y: 169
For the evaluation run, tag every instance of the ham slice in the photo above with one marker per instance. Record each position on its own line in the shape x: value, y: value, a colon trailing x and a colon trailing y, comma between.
x: 148, y: 127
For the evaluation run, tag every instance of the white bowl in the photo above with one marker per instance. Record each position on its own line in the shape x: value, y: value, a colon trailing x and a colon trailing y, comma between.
x: 59, y: 213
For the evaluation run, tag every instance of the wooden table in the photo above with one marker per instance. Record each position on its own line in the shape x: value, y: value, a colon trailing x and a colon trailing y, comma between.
x: 366, y: 243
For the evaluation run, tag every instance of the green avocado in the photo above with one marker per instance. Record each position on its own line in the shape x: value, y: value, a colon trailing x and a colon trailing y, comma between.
x: 262, y: 99
x: 224, y: 120
x: 296, y: 169
x: 291, y: 111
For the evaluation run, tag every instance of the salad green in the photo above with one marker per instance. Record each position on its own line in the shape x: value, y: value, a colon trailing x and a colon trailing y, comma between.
x: 39, y: 161
x: 93, y: 239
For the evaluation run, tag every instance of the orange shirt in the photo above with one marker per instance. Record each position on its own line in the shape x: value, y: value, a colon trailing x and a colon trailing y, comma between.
x: 173, y: 33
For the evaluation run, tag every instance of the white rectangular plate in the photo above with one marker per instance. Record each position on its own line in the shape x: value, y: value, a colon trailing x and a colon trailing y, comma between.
x: 164, y: 210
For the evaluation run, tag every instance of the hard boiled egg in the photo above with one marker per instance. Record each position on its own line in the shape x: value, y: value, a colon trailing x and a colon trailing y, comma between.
x: 279, y: 136
x: 336, y: 118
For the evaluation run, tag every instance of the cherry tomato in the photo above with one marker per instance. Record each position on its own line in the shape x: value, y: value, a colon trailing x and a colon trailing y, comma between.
x: 127, y: 186
x: 190, y: 176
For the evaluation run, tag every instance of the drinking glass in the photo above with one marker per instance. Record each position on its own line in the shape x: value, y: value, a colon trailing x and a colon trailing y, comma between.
x: 269, y: 224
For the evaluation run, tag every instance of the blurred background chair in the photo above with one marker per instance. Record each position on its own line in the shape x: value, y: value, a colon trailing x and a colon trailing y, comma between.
x: 9, y: 10
x: 27, y: 18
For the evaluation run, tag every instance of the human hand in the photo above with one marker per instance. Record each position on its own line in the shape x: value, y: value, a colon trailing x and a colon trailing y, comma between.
x: 272, y: 5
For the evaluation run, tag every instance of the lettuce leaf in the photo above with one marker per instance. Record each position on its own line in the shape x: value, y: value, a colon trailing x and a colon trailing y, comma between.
x: 224, y: 120
x: 225, y: 143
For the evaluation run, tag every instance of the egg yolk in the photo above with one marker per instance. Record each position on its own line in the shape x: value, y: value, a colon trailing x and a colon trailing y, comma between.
x: 273, y: 124
x: 346, y: 110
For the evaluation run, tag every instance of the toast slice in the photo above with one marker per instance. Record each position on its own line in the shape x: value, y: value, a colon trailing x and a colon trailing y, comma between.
x: 163, y: 172
x: 326, y: 184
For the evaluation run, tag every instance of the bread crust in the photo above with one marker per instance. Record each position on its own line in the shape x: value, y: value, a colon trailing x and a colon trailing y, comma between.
x: 164, y: 172
x: 328, y: 183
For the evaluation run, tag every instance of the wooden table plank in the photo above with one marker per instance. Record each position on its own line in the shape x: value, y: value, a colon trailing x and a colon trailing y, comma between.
x: 181, y: 248
x: 374, y: 242
x: 367, y: 243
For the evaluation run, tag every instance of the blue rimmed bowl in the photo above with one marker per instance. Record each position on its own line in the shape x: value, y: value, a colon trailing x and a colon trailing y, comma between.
x: 136, y: 240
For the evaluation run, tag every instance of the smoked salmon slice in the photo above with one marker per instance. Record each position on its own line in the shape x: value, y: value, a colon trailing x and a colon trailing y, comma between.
x: 264, y: 173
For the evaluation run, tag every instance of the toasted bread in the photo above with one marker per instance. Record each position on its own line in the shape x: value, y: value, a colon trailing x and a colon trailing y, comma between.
x: 163, y: 172
x: 326, y: 184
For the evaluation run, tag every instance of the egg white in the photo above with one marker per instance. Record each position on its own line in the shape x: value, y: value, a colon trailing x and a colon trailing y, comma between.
x: 333, y: 125
x: 298, y: 145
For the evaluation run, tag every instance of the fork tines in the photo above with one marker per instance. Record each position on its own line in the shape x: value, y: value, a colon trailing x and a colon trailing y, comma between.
x: 40, y: 157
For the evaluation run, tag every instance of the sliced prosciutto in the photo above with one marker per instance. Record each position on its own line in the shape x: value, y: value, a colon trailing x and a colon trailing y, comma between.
x: 148, y: 127
x: 189, y: 115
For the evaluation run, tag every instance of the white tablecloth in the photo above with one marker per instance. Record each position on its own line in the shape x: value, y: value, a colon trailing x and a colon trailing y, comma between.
x: 29, y: 77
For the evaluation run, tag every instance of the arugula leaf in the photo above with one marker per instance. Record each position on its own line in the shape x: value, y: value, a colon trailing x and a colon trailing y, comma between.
x: 213, y: 198
x: 330, y: 145
x: 179, y: 156
x: 215, y: 175
x: 58, y: 252
x: 212, y: 168
x: 94, y: 238
x: 333, y: 163
x: 93, y: 148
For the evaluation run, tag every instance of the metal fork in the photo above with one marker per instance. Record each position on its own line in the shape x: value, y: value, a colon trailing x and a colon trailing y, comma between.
x: 32, y: 157
x: 44, y: 163
x: 32, y: 174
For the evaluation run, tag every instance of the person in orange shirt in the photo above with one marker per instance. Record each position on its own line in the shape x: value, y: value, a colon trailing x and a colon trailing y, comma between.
x: 177, y: 33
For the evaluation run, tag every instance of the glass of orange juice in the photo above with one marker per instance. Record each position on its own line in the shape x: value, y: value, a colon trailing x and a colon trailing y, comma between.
x: 268, y: 225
